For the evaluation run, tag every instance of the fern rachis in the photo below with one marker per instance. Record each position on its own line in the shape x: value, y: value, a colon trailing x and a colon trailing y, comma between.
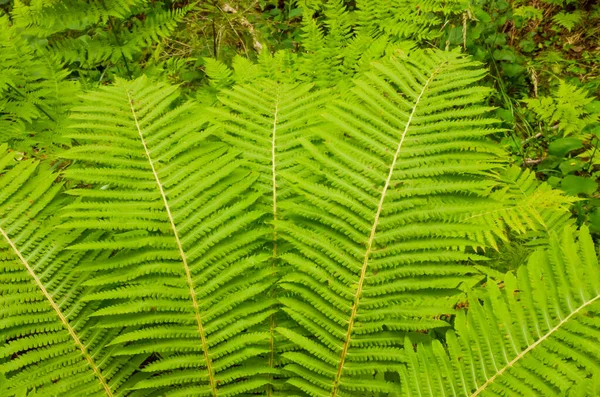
x: 529, y: 348
x: 76, y: 339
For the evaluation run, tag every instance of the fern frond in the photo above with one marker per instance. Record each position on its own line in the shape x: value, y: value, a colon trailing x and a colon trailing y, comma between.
x: 188, y: 272
x: 324, y: 44
x: 535, y: 333
x: 338, y: 44
x: 156, y: 25
x: 45, y: 18
x: 378, y: 246
x: 265, y: 121
x: 219, y: 75
x: 49, y: 343
x: 566, y: 109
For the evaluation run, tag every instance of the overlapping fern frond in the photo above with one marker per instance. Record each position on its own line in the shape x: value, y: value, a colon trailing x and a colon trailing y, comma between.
x: 340, y: 41
x: 589, y: 387
x: 371, y: 206
x: 50, y: 343
x: 98, y: 46
x: 378, y: 246
x: 534, y: 333
x: 532, y: 206
x: 189, y: 273
x: 324, y: 43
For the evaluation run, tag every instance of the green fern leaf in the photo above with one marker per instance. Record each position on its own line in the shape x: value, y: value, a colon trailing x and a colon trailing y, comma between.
x: 567, y: 109
x: 378, y: 249
x: 82, y: 25
x: 265, y: 122
x: 590, y: 387
x: 49, y: 343
x: 189, y: 273
x: 568, y: 20
x: 244, y: 71
x: 219, y: 75
x: 535, y: 333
